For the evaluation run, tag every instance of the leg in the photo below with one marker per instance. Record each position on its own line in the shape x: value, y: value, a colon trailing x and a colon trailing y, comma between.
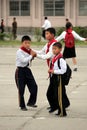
x: 32, y: 87
x: 75, y: 63
x: 52, y: 95
x: 21, y: 87
x: 16, y: 81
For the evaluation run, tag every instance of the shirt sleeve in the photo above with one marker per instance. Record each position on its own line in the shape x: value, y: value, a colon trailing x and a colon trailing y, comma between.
x: 23, y: 59
x: 62, y: 68
x: 42, y: 51
x: 62, y: 36
x: 46, y: 56
x: 76, y: 36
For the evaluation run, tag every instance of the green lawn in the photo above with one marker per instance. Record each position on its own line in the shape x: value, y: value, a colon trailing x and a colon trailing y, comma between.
x: 17, y: 43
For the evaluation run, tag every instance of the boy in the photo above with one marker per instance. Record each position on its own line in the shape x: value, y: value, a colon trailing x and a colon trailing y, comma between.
x: 47, y: 54
x: 69, y: 37
x: 24, y: 75
x: 56, y: 91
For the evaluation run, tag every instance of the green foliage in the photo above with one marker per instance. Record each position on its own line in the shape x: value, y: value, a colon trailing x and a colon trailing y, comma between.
x: 82, y: 31
x: 59, y: 30
x: 37, y: 34
x: 4, y: 36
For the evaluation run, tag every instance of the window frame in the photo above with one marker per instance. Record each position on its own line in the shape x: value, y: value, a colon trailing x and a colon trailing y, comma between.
x: 54, y: 9
x: 20, y: 8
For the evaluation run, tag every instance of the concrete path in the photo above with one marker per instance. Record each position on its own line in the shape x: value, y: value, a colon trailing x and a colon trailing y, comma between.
x: 11, y: 118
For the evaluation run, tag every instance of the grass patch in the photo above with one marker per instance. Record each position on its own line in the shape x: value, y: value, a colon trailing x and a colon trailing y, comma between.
x: 18, y: 43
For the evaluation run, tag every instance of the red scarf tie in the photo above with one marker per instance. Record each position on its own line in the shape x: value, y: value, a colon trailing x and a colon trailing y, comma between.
x: 48, y: 47
x: 26, y: 50
x: 54, y: 59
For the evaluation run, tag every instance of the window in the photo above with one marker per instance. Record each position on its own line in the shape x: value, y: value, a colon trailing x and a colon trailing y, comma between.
x: 54, y: 7
x: 19, y: 7
x: 83, y: 7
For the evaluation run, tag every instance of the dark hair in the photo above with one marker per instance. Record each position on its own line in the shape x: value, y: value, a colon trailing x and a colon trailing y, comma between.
x: 24, y: 38
x: 67, y: 19
x: 58, y: 44
x: 45, y: 18
x: 14, y: 18
x: 51, y: 30
x: 68, y: 25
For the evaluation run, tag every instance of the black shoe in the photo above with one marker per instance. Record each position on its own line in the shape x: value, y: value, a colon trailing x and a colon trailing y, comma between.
x: 75, y: 69
x: 24, y: 109
x: 64, y: 114
x: 34, y: 106
x: 52, y: 110
x: 59, y: 112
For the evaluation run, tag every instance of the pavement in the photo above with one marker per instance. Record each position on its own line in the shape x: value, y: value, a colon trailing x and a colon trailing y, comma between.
x: 12, y: 118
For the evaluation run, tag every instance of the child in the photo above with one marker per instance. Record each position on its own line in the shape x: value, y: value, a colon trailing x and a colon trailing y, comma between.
x: 69, y: 37
x: 56, y: 91
x: 47, y: 54
x: 24, y: 75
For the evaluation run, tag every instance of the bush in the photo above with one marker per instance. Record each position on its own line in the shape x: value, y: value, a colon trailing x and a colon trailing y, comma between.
x: 37, y: 34
x: 82, y: 31
x: 4, y: 36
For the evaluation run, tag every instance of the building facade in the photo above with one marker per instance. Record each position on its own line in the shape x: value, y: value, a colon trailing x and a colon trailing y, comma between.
x: 30, y: 13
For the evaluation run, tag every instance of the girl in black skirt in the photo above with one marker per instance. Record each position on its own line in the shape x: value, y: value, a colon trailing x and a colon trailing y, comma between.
x: 69, y: 37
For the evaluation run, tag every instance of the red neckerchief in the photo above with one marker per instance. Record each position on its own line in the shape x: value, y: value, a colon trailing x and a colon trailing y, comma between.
x: 69, y: 30
x: 48, y: 47
x: 26, y: 50
x: 54, y: 59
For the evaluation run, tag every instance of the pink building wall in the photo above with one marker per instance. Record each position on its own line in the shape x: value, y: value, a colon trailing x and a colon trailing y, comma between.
x: 36, y: 17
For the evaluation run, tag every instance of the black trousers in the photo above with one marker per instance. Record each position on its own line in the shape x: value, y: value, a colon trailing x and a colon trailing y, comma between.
x: 52, y: 93
x: 23, y: 77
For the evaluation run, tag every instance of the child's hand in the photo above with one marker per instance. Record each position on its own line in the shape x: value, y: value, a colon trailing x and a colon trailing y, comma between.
x: 50, y: 71
x: 33, y: 53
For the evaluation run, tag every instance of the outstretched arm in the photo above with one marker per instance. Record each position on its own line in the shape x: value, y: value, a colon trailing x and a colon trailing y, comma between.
x: 46, y: 56
x: 62, y: 36
x: 76, y: 36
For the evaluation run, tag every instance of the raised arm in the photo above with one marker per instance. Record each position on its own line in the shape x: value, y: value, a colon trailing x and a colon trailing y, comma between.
x: 76, y: 36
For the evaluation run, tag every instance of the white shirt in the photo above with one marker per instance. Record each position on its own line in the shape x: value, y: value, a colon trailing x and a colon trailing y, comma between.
x: 47, y: 24
x: 42, y: 53
x: 63, y: 67
x: 22, y: 58
x: 76, y: 36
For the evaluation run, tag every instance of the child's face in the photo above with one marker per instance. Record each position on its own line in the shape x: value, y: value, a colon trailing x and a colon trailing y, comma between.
x: 56, y: 50
x: 49, y: 36
x: 26, y: 44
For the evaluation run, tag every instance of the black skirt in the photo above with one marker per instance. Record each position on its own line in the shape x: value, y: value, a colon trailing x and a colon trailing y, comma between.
x: 69, y: 52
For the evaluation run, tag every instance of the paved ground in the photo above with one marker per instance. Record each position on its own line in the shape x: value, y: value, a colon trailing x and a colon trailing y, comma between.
x: 11, y: 118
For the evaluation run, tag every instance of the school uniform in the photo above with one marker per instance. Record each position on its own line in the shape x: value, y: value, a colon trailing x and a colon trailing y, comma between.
x: 24, y: 76
x: 56, y: 93
x: 46, y: 52
x: 69, y: 52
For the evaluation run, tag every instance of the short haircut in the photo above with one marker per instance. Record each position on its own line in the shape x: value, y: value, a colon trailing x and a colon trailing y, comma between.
x: 68, y: 25
x: 51, y: 30
x: 58, y: 45
x: 25, y: 38
x: 45, y: 18
x: 67, y: 19
x: 14, y: 18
